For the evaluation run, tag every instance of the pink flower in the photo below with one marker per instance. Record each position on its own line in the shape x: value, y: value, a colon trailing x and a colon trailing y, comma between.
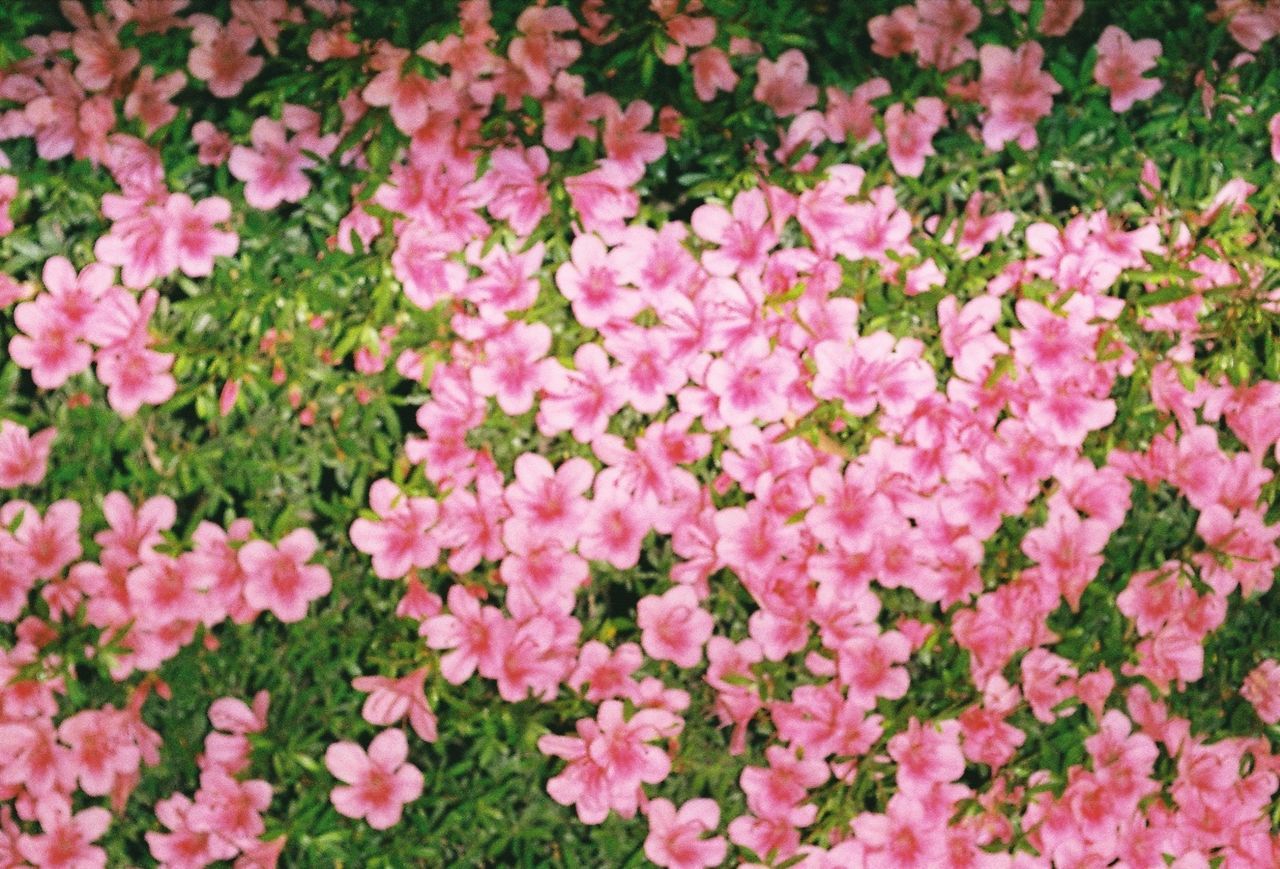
x: 905, y: 837
x: 149, y: 100
x: 195, y: 239
x: 67, y: 840
x: 745, y: 237
x: 377, y: 784
x: 1120, y: 67
x: 625, y: 140
x: 867, y: 664
x: 583, y: 399
x: 895, y: 33
x: 52, y: 541
x: 1273, y: 127
x: 1015, y: 92
x: 399, y: 541
x: 1068, y: 550
x: 273, y: 168
x: 23, y: 457
x: 711, y: 73
x: 752, y: 382
x: 213, y: 145
x: 135, y: 376
x: 514, y: 190
x: 1262, y: 689
x: 141, y: 241
x: 512, y: 368
x: 615, y: 528
x: 48, y: 344
x: 783, y: 84
x: 134, y: 534
x: 674, y: 627
x: 390, y: 700
x: 605, y: 198
x: 593, y: 281
x: 910, y: 134
x: 468, y: 631
x: 8, y: 192
x: 675, y: 839
x: 551, y: 500
x: 278, y: 579
x: 221, y: 56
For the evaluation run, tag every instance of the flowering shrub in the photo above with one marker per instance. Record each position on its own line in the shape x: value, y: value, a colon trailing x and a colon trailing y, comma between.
x: 793, y: 434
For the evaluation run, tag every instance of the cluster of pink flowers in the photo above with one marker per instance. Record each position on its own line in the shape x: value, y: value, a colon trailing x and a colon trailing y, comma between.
x: 223, y: 820
x: 794, y: 455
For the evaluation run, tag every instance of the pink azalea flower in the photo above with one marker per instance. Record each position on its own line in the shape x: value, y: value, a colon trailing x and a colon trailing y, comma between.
x: 390, y: 700
x: 67, y: 840
x: 468, y: 631
x: 148, y: 16
x: 377, y: 784
x: 513, y: 189
x: 1262, y: 688
x: 614, y: 528
x: 1273, y: 127
x: 8, y: 192
x: 867, y: 664
x: 141, y: 242
x: 745, y: 237
x: 1016, y: 93
x: 134, y: 534
x: 213, y: 145
x: 149, y: 100
x: 48, y: 345
x: 551, y: 500
x: 942, y: 30
x: 512, y: 368
x: 51, y: 542
x: 135, y: 376
x: 1120, y: 67
x: 399, y: 540
x: 24, y: 457
x: 273, y: 168
x: 277, y: 578
x: 895, y: 33
x: 221, y: 56
x: 752, y: 382
x: 711, y: 73
x: 625, y: 140
x: 583, y: 399
x: 675, y: 839
x: 593, y: 281
x: 783, y: 84
x: 674, y: 627
x: 910, y: 134
x: 196, y: 240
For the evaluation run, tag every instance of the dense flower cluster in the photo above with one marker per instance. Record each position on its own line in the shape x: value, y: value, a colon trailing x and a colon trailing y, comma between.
x: 812, y: 495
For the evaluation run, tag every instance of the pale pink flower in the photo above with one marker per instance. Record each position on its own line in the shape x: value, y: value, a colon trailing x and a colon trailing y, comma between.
x: 1273, y: 127
x: 511, y: 372
x: 398, y: 540
x: 1120, y: 67
x: 195, y: 238
x: 675, y: 839
x: 744, y: 236
x: 148, y: 16
x: 277, y: 578
x: 583, y: 399
x: 674, y: 627
x: 51, y: 542
x: 625, y: 140
x: 1016, y: 93
x: 8, y: 192
x: 895, y: 33
x: 910, y: 134
x: 66, y: 840
x: 593, y: 281
x: 273, y: 168
x: 48, y: 345
x: 213, y: 145
x: 24, y: 457
x: 783, y: 84
x: 134, y: 376
x: 149, y: 100
x: 390, y: 700
x: 377, y: 784
x: 221, y: 56
x: 1262, y: 689
x: 711, y: 73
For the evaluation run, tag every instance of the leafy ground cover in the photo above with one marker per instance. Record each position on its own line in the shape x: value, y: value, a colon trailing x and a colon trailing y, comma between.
x: 797, y: 434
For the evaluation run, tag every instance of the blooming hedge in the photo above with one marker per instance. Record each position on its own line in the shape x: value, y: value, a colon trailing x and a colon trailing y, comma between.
x: 705, y: 432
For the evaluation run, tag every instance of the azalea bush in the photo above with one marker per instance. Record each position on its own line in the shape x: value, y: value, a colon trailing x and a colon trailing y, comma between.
x: 693, y: 433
